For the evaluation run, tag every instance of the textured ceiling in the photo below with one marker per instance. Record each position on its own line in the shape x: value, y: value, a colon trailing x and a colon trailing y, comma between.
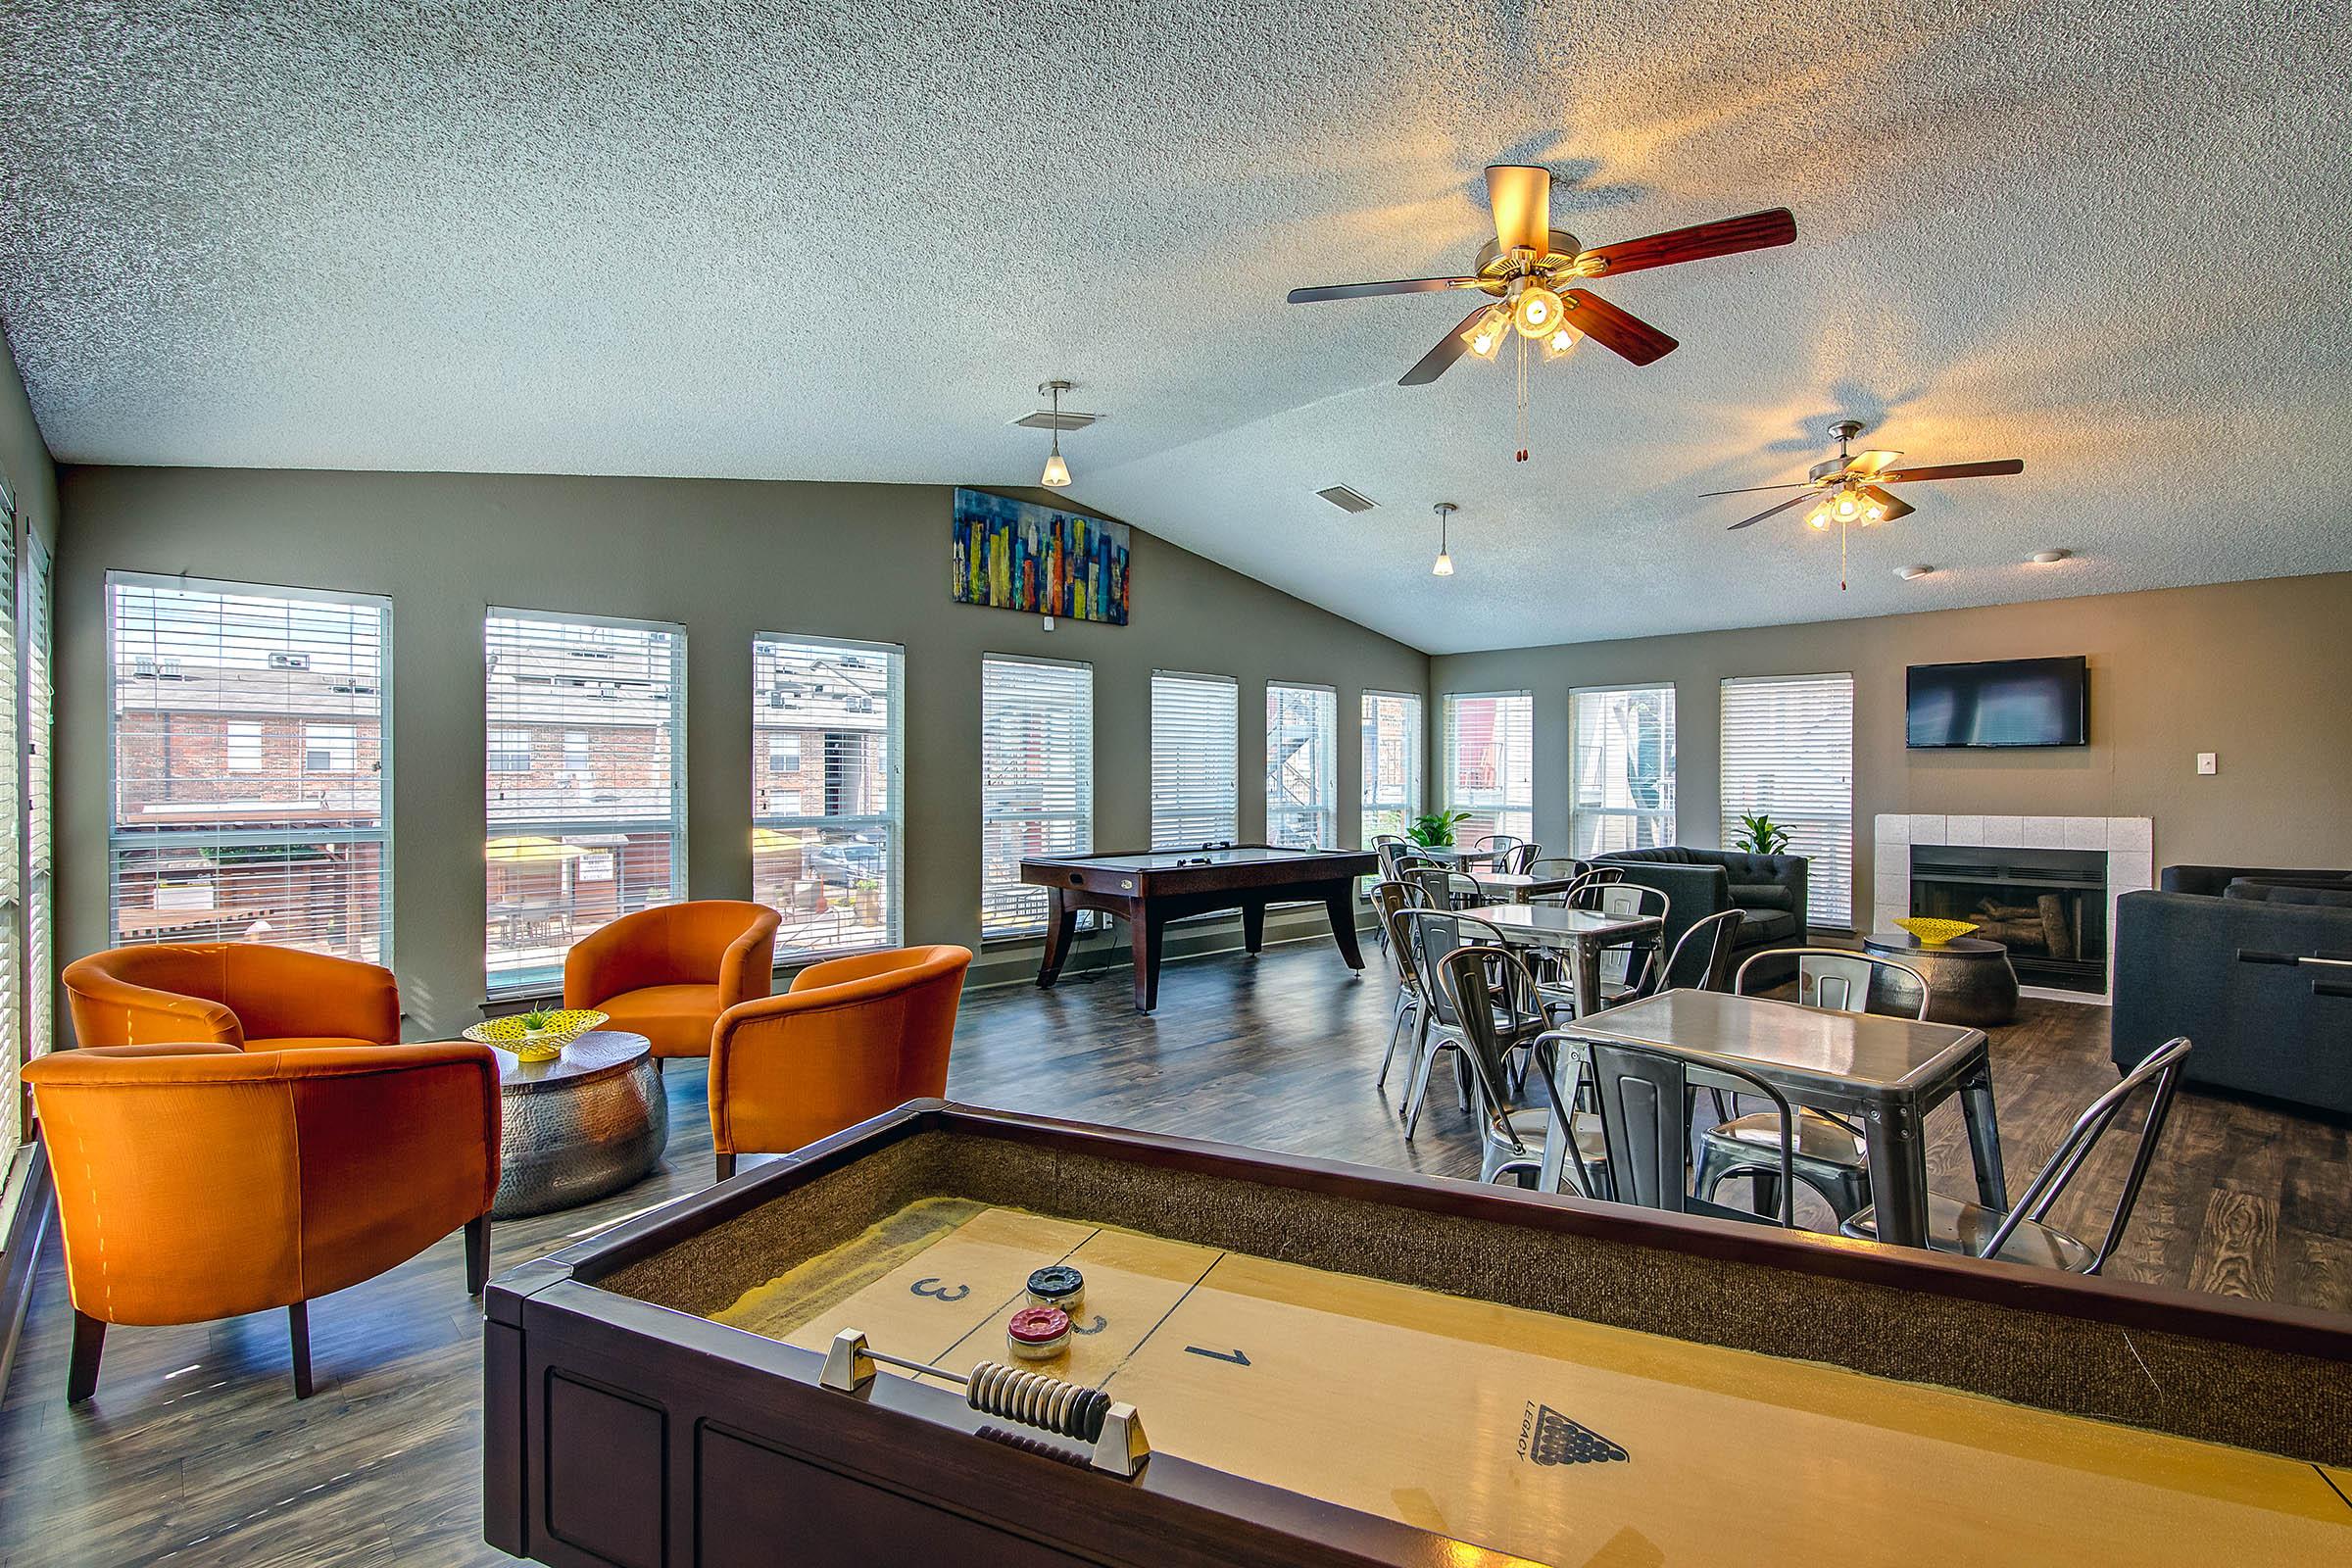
x: 796, y: 241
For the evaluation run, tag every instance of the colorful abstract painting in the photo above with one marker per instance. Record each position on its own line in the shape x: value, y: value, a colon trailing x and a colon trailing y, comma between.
x: 1016, y: 555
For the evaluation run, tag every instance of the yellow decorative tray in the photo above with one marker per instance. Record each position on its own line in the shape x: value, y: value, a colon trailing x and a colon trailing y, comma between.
x: 536, y: 1045
x: 1932, y: 933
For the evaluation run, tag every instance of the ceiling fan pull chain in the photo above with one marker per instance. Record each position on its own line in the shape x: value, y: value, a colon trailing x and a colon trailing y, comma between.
x: 1522, y: 457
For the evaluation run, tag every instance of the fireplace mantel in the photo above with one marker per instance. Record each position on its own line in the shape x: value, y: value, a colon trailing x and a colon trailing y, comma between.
x: 2129, y: 843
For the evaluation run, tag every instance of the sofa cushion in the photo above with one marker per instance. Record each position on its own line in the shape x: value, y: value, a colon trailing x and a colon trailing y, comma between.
x: 1765, y: 925
x: 1763, y: 896
x: 2331, y: 897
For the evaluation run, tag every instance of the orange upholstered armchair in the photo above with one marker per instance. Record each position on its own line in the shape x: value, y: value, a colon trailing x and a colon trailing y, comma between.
x: 668, y: 972
x: 850, y: 1038
x: 249, y: 994
x: 198, y: 1182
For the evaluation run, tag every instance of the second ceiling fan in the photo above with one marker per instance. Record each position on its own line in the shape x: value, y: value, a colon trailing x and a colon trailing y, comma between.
x: 1528, y: 271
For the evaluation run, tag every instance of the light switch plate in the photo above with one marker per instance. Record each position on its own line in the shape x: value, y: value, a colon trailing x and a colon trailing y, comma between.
x: 2209, y: 763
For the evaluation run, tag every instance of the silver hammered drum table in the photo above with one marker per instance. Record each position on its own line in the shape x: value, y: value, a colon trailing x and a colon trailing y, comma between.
x: 1969, y: 980
x: 579, y: 1125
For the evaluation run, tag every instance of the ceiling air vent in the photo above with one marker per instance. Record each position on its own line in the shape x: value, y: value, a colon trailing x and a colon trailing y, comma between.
x: 1048, y: 420
x: 1346, y: 500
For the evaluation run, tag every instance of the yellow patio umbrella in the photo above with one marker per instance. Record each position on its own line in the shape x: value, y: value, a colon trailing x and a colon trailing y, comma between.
x: 530, y: 848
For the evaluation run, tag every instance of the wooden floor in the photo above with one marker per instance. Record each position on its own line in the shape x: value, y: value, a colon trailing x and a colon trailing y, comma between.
x: 195, y: 1451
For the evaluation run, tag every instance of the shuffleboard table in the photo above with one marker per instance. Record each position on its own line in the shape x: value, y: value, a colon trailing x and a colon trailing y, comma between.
x: 1278, y: 1361
x: 1150, y: 889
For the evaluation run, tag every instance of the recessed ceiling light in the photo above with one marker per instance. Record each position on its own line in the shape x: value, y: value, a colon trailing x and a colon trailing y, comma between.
x: 2050, y: 558
x: 1913, y: 574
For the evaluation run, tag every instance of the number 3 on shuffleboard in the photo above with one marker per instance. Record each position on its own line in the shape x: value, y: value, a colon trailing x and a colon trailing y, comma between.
x: 932, y: 1288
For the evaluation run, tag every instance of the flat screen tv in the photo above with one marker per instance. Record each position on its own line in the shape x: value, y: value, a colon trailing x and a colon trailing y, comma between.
x: 2008, y: 701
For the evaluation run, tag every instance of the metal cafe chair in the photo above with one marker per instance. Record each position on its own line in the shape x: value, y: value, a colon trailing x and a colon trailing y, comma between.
x: 1626, y: 966
x: 1479, y: 986
x: 1517, y: 858
x: 1496, y: 843
x: 2024, y: 1235
x: 1558, y: 867
x: 1389, y: 900
x: 1833, y: 1156
x: 1701, y: 959
x: 1447, y: 889
x: 1436, y: 933
x: 1642, y: 1093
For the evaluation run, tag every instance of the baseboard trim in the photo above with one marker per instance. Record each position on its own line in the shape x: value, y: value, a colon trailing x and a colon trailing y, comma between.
x: 20, y: 1254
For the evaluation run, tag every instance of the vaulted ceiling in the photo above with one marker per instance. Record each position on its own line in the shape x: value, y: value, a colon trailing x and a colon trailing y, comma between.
x: 799, y: 241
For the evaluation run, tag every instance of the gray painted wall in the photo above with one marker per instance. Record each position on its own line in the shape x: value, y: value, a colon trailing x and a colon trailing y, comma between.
x: 23, y: 455
x: 2260, y: 673
x: 727, y: 559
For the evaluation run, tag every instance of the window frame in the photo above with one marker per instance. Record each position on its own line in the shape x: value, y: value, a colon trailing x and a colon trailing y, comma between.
x: 1084, y: 817
x: 1326, y: 809
x: 1416, y: 788
x: 1835, y: 917
x: 1667, y: 813
x: 386, y: 835
x: 1233, y: 686
x: 538, y: 982
x: 894, y: 821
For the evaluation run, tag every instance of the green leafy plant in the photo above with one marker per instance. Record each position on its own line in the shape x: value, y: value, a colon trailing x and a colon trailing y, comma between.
x: 1760, y: 835
x: 866, y: 884
x: 537, y: 1019
x: 1434, y: 830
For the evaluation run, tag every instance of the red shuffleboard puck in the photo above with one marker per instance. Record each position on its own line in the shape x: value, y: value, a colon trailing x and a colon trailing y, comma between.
x: 1038, y: 1333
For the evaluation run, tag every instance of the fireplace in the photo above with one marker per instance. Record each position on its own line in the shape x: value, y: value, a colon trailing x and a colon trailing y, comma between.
x: 2048, y: 906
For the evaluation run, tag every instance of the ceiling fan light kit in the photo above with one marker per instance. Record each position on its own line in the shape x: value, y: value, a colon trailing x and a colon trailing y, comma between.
x: 1522, y: 270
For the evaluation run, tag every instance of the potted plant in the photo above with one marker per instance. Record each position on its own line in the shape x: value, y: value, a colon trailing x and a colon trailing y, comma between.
x: 1434, y: 830
x: 538, y: 1029
x: 865, y: 895
x: 1759, y: 834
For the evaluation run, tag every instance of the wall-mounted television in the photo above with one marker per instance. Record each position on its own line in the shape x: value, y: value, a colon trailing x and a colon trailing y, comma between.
x: 2007, y: 702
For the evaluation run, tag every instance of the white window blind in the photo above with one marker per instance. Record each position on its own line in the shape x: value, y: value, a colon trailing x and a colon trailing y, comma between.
x: 1490, y: 764
x: 1622, y: 746
x: 1788, y: 753
x: 623, y: 683
x: 11, y: 860
x: 1195, y: 759
x: 1391, y: 763
x: 1037, y: 781
x: 40, y: 829
x: 291, y: 853
x: 1302, y: 767
x: 828, y: 815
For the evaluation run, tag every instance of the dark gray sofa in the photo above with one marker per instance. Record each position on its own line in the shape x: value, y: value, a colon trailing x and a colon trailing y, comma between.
x: 2191, y: 959
x: 1768, y: 891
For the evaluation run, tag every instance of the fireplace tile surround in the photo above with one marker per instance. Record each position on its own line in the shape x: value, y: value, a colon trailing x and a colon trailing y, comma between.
x: 2129, y: 842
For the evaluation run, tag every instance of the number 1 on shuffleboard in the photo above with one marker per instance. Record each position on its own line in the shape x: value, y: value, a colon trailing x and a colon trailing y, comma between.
x: 1234, y: 1356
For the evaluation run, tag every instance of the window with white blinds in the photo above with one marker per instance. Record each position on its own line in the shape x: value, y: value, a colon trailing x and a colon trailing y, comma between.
x: 40, y: 830
x: 1788, y: 753
x: 1037, y: 781
x: 575, y: 836
x: 13, y: 1125
x: 1195, y: 759
x: 1621, y: 744
x: 1302, y: 767
x: 1490, y: 764
x: 828, y: 810
x: 296, y: 852
x: 1391, y: 763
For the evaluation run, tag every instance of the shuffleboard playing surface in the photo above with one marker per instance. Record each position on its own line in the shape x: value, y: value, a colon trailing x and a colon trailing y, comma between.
x: 1547, y: 1436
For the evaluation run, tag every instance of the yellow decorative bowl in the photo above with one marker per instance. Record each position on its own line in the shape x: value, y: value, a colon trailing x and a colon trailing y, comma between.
x: 536, y: 1045
x: 1932, y: 933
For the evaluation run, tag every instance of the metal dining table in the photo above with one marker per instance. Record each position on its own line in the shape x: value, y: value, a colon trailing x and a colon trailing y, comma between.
x: 1586, y: 933
x: 1517, y: 887
x: 1884, y: 1073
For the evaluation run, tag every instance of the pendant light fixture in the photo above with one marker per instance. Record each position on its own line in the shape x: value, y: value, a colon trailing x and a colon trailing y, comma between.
x: 1057, y: 473
x: 1444, y: 566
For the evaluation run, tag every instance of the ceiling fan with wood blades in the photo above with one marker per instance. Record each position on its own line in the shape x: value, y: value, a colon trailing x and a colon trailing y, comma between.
x: 1850, y: 488
x: 1528, y: 272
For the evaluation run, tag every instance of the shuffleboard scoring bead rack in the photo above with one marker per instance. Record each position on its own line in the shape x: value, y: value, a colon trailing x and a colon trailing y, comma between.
x: 1031, y: 1398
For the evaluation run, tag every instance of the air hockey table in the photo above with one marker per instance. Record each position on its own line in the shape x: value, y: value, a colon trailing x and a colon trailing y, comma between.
x: 1148, y: 890
x: 1280, y: 1361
